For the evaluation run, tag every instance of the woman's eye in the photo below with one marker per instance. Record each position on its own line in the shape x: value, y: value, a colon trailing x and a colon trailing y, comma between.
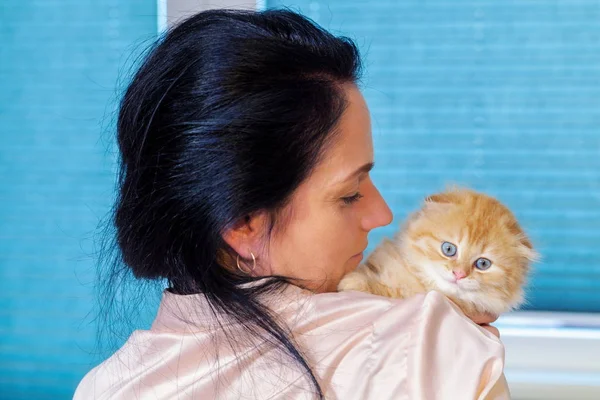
x: 449, y: 249
x: 352, y: 199
x: 483, y: 264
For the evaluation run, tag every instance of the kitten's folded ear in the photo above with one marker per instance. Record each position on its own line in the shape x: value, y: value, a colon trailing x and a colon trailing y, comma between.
x: 439, y: 198
x: 453, y: 194
x: 439, y: 203
x: 527, y: 248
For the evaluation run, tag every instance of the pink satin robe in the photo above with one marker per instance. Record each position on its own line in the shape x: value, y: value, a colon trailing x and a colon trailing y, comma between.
x: 360, y: 346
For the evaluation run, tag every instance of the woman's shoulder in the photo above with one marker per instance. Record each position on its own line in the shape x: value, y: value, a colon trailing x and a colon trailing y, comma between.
x: 377, y: 347
x: 418, y: 346
x: 418, y: 321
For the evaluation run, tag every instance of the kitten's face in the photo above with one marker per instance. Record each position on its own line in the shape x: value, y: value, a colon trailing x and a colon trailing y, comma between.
x: 471, y: 248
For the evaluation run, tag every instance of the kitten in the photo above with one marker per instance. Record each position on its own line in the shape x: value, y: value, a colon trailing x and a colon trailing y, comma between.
x: 462, y: 243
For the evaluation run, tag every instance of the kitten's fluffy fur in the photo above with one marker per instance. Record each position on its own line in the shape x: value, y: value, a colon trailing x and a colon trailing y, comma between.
x: 479, y: 226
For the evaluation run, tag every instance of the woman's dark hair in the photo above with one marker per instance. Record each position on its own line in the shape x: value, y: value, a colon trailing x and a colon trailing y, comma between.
x: 228, y: 113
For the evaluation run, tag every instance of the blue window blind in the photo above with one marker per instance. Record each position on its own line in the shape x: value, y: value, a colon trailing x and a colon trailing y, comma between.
x: 503, y: 96
x: 59, y: 64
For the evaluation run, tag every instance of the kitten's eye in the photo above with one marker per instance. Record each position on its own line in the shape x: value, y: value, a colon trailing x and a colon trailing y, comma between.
x: 483, y: 264
x: 448, y: 249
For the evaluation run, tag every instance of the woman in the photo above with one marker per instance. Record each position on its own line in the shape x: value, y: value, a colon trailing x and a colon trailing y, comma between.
x: 246, y: 148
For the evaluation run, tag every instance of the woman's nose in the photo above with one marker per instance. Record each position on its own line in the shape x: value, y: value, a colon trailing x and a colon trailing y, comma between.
x: 377, y: 212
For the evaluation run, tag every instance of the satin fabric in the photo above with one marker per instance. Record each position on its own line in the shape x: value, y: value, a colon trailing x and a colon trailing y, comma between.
x: 360, y: 346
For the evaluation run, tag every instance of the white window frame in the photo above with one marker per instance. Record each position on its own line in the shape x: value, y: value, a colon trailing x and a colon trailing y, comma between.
x: 171, y: 11
x: 549, y: 356
x: 552, y: 355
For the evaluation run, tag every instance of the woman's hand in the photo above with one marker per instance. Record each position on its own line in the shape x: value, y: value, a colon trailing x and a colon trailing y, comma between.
x: 484, y: 320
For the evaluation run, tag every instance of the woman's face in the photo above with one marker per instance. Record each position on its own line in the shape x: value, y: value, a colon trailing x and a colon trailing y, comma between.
x: 332, y: 211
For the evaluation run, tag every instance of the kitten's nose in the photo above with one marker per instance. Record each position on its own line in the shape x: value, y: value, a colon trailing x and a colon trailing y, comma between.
x: 459, y: 274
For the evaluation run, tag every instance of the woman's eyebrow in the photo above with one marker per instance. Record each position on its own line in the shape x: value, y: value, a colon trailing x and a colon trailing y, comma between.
x: 361, y: 170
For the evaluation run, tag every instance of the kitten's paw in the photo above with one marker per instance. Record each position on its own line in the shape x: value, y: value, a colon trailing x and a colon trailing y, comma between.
x: 354, y: 281
x: 363, y: 283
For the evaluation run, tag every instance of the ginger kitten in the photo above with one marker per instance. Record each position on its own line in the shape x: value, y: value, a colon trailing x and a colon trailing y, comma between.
x: 461, y: 243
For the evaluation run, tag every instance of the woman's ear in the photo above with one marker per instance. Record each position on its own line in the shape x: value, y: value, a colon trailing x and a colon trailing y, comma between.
x: 246, y: 235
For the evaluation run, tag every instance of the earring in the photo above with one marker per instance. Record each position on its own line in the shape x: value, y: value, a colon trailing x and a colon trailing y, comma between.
x: 253, y: 264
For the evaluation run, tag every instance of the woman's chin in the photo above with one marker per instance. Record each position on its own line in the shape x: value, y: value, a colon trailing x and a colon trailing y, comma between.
x: 357, y: 257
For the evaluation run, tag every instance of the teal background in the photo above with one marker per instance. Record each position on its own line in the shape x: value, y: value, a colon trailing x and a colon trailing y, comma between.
x: 60, y: 63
